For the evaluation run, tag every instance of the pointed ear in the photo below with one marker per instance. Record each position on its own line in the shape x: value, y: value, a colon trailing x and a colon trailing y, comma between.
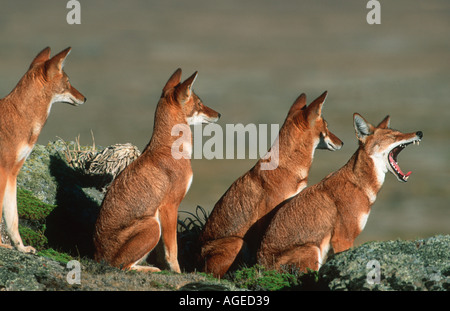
x: 385, y: 123
x: 315, y: 108
x: 362, y: 127
x: 173, y: 81
x: 299, y: 103
x: 185, y: 88
x: 42, y: 57
x: 56, y: 63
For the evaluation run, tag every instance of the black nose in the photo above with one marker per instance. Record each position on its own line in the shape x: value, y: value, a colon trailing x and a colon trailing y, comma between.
x: 420, y: 134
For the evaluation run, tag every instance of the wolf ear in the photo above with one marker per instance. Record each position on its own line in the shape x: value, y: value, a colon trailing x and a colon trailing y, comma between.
x: 173, y: 81
x: 385, y: 123
x: 42, y: 57
x: 362, y: 127
x: 314, y: 110
x: 56, y: 63
x: 299, y: 103
x: 185, y: 88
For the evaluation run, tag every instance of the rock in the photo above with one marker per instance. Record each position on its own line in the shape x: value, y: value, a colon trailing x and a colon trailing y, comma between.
x: 26, y: 272
x: 208, y: 286
x: 74, y: 179
x: 48, y: 175
x: 419, y: 265
x: 50, y: 178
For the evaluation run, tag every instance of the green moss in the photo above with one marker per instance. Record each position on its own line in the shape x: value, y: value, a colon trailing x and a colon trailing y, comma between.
x: 31, y: 208
x: 32, y: 213
x: 36, y: 176
x: 37, y: 239
x: 258, y: 278
x: 55, y: 255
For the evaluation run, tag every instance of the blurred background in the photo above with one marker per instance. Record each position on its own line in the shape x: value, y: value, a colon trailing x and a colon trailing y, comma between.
x: 254, y: 58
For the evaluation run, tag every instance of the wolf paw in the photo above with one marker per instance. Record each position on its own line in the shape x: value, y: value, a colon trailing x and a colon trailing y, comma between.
x: 27, y: 249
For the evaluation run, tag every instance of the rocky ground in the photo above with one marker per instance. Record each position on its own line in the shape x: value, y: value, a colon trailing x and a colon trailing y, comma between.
x: 421, y: 265
x: 25, y: 272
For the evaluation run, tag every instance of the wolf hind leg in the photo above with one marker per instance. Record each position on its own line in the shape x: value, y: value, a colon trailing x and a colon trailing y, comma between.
x: 139, y: 242
x: 302, y: 257
x: 220, y: 255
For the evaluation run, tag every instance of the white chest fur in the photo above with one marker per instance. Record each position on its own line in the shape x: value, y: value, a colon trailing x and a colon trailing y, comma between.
x: 189, y: 184
x: 24, y: 152
x: 363, y: 220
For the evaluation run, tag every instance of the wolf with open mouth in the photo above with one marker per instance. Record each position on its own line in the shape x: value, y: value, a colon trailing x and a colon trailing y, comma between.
x: 385, y: 146
x: 328, y: 216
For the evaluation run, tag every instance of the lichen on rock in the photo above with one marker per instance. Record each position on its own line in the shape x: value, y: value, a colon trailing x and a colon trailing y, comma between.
x: 420, y: 265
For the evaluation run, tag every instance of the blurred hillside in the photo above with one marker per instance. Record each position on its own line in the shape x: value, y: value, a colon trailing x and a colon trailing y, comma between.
x: 254, y: 58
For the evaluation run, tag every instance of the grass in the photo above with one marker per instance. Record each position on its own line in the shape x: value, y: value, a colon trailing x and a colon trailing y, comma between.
x: 189, y: 230
x: 61, y: 257
x: 258, y: 278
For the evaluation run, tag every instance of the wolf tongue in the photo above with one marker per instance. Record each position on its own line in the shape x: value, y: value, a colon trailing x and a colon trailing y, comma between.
x: 397, y: 167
